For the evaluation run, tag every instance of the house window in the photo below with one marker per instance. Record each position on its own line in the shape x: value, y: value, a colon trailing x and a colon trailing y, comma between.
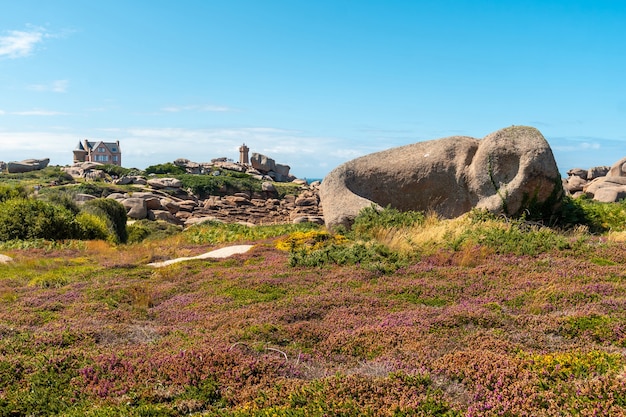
x: 113, y: 149
x: 115, y: 158
x: 101, y: 150
x: 102, y: 158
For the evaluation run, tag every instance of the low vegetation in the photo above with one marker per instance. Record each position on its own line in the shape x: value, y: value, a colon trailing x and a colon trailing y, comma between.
x: 405, y: 314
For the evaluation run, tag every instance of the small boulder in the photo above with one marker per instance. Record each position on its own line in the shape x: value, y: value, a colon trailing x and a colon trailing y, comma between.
x: 597, y: 172
x: 4, y: 259
x: 135, y: 208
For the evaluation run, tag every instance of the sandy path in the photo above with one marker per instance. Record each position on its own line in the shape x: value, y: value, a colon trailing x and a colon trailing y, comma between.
x: 218, y: 253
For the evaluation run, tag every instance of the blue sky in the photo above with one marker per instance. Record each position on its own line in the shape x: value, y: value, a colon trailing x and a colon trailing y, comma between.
x: 311, y: 84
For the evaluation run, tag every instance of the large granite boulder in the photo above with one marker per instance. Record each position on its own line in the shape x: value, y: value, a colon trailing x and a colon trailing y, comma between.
x: 262, y: 163
x: 506, y: 172
x: 27, y: 165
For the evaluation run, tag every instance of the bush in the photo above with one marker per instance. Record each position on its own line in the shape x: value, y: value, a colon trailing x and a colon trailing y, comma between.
x: 24, y: 219
x: 63, y: 198
x: 113, y: 213
x: 150, y: 230
x: 7, y: 192
x: 371, y: 219
x: 599, y: 217
x: 115, y: 170
x: 167, y: 168
x: 226, y: 182
x: 504, y: 235
x: 93, y: 227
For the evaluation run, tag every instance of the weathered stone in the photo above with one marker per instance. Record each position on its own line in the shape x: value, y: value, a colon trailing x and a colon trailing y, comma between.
x: 83, y: 198
x: 306, y: 201
x: 262, y: 163
x: 170, y: 205
x: 609, y: 188
x: 27, y: 165
x: 4, y: 259
x: 243, y: 195
x: 199, y: 220
x: 159, y: 183
x: 282, y: 169
x: 268, y: 187
x: 164, y: 215
x: 577, y: 172
x: 610, y: 194
x: 574, y: 184
x: 135, y: 208
x: 117, y: 196
x: 187, y: 205
x: 123, y: 181
x: 597, y: 172
x: 503, y: 172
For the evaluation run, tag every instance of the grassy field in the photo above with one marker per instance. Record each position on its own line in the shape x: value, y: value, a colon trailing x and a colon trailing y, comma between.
x: 407, y: 315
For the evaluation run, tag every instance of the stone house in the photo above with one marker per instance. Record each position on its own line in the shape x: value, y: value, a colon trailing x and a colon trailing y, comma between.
x: 98, y: 151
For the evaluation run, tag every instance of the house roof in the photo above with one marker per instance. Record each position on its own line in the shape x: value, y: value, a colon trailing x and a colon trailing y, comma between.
x: 94, y: 144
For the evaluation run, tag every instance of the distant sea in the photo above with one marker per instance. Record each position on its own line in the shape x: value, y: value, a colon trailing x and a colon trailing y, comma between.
x: 310, y: 180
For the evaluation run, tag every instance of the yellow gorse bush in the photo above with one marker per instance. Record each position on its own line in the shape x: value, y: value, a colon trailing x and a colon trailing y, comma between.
x: 309, y: 241
x: 578, y: 364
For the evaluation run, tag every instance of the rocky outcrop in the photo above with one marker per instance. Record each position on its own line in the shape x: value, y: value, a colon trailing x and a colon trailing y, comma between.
x: 261, y: 167
x: 267, y: 166
x: 27, y: 165
x: 186, y: 209
x: 505, y: 172
x: 86, y: 170
x: 604, y: 184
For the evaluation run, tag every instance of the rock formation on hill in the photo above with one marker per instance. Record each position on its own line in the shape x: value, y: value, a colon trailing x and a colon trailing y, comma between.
x: 507, y: 171
x: 27, y: 165
x: 177, y: 206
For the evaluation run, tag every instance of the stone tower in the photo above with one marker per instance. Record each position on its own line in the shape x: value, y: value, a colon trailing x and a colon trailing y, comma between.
x: 243, y: 154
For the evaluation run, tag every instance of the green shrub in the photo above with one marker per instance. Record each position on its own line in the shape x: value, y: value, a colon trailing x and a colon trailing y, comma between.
x: 597, y: 216
x: 509, y: 236
x: 7, y: 192
x: 25, y: 219
x: 63, y: 198
x: 93, y: 227
x: 372, y: 219
x: 167, y: 168
x: 113, y: 212
x: 115, y: 170
x: 373, y: 257
x: 150, y: 230
x: 225, y: 183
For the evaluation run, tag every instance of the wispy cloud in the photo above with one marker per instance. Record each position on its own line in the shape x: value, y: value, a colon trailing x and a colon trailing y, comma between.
x: 18, y: 43
x: 57, y: 86
x: 198, y: 108
x: 37, y: 112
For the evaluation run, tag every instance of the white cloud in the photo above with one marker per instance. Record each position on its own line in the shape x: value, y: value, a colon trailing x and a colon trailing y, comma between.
x: 57, y: 86
x: 38, y: 112
x: 18, y: 44
x: 198, y: 108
